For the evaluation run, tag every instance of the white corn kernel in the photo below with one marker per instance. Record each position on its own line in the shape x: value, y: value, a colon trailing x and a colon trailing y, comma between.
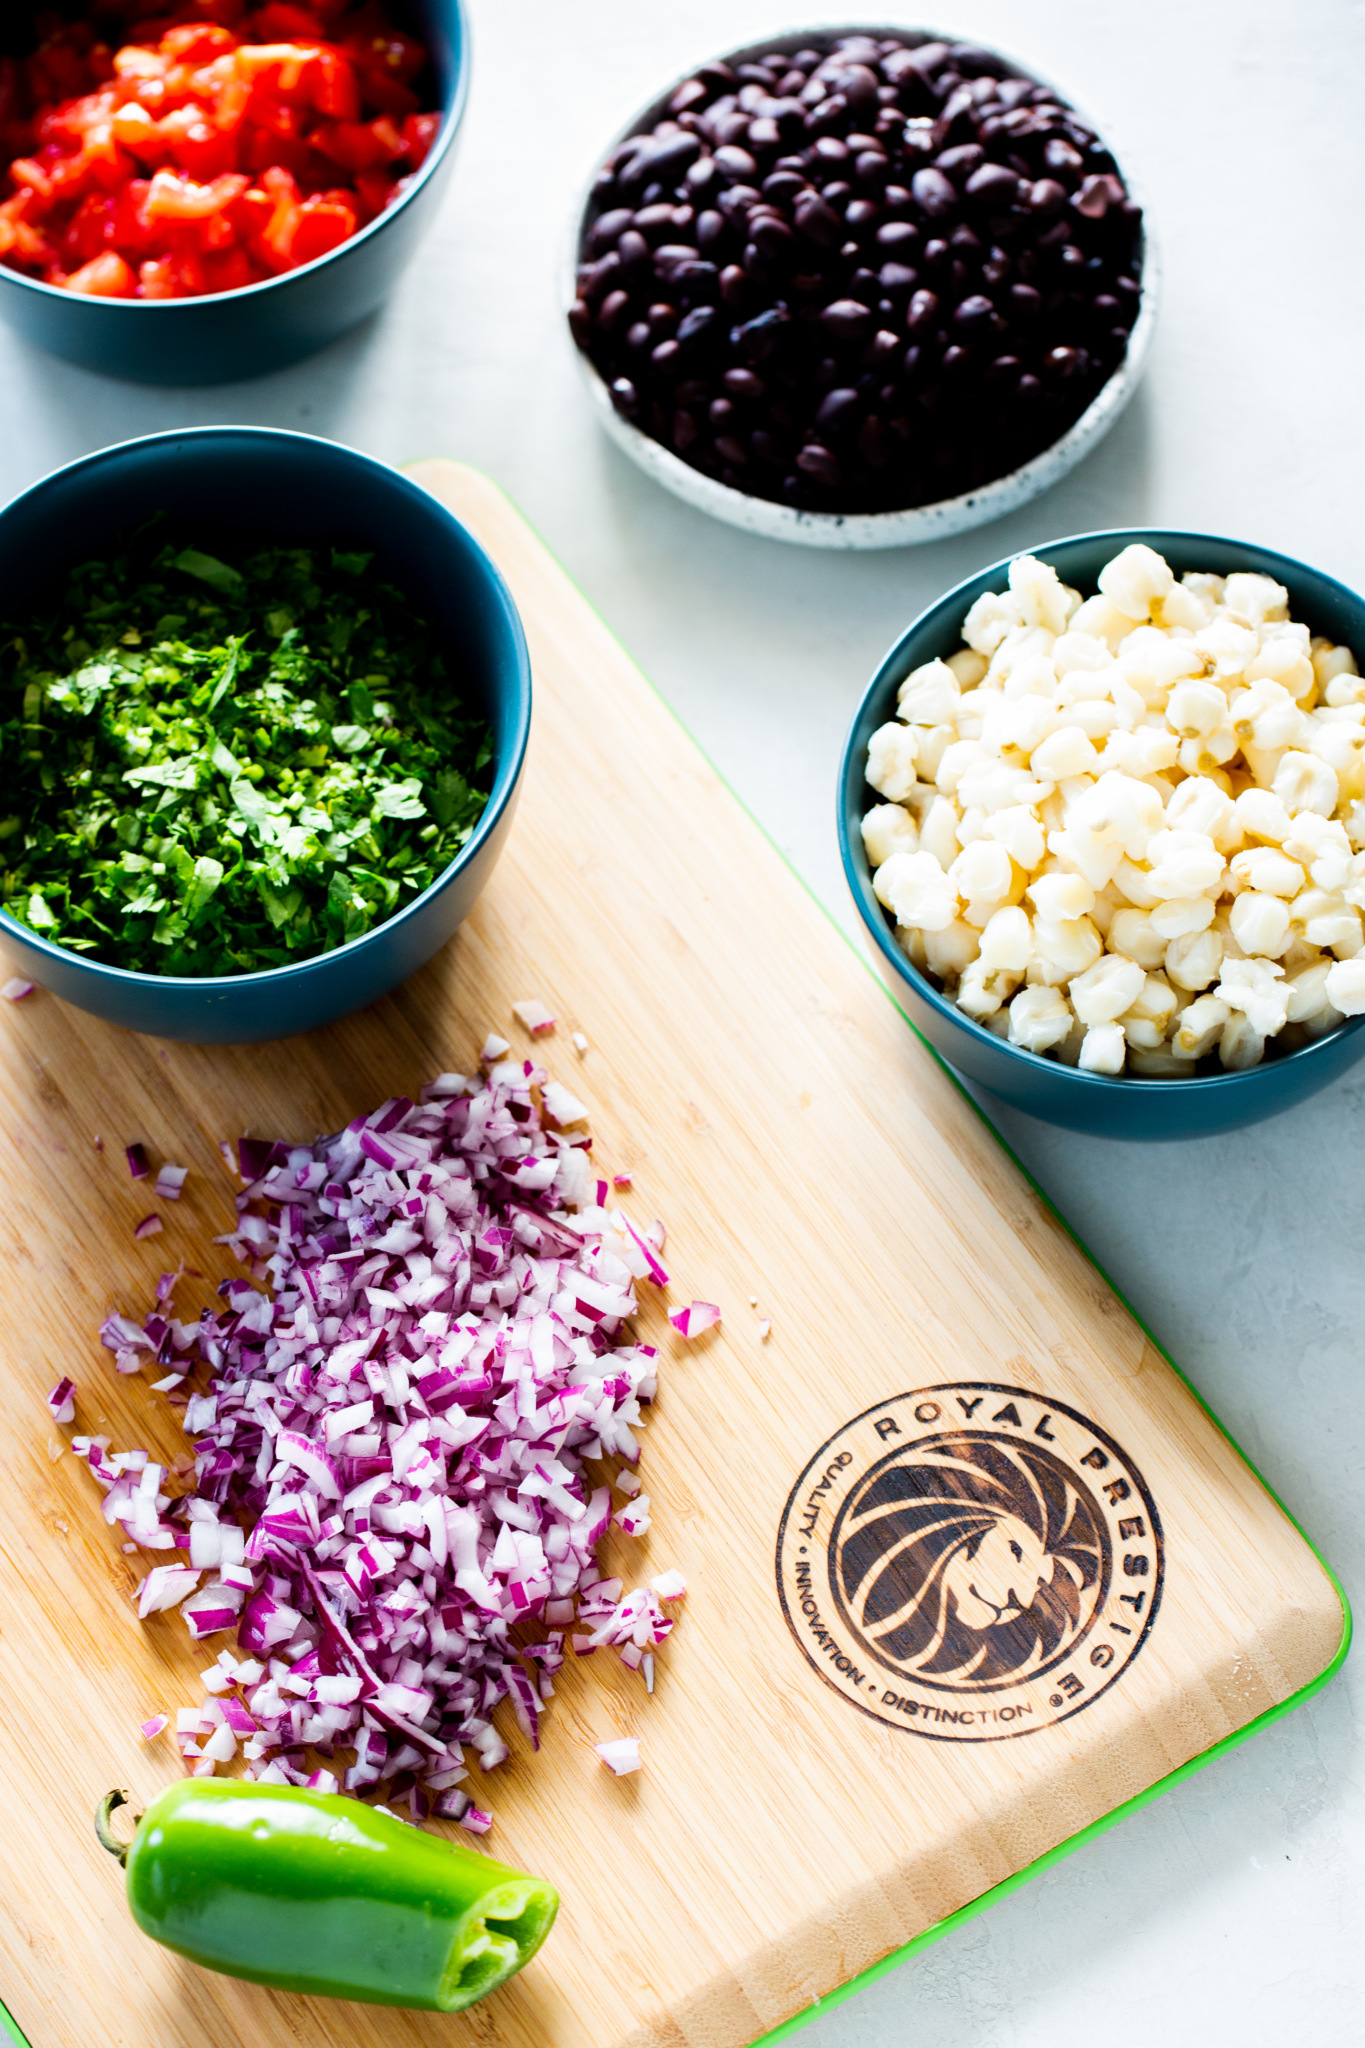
x: 1255, y: 596
x: 1260, y: 923
x: 1261, y: 867
x: 1195, y: 709
x: 983, y: 876
x: 1162, y: 1065
x: 1256, y: 988
x: 1194, y: 961
x: 1241, y: 1044
x: 1180, y: 917
x: 1183, y: 863
x: 1107, y: 989
x: 916, y: 891
x: 1007, y: 940
x: 1102, y: 617
x: 888, y: 829
x: 1061, y: 897
x: 1345, y: 987
x: 1134, y: 579
x: 968, y: 666
x: 1133, y: 934
x: 1199, y: 805
x: 1019, y: 832
x: 984, y: 990
x: 1104, y: 1050
x: 929, y: 695
x: 989, y: 620
x: 1064, y: 948
x: 891, y: 755
x: 938, y: 831
x: 1228, y: 645
x: 1262, y: 816
x: 1064, y: 753
x: 1039, y: 593
x: 952, y: 950
x: 1308, y: 996
x: 1080, y: 650
x: 1040, y: 1017
x: 1201, y: 1027
x: 1304, y: 783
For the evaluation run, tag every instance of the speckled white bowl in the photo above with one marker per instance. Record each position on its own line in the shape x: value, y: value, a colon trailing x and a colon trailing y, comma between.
x: 919, y: 523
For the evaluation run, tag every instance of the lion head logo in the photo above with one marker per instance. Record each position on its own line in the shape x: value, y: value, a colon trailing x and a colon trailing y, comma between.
x: 971, y: 1560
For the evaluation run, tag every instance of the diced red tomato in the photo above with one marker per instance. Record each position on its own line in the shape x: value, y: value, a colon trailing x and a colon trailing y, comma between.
x: 105, y: 277
x: 220, y: 144
x: 419, y: 133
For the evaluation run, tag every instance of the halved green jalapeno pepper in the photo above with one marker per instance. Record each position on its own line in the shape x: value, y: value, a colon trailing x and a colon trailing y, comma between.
x: 309, y: 1892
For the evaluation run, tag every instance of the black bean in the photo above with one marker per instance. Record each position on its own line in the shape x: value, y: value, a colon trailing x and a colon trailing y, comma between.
x: 665, y: 356
x: 897, y: 280
x: 922, y: 313
x: 847, y: 319
x: 757, y: 339
x: 883, y: 349
x: 720, y: 412
x: 774, y: 238
x: 993, y: 184
x: 742, y: 383
x: 818, y: 462
x: 696, y: 327
x: 732, y: 450
x: 580, y: 321
x: 710, y: 228
x: 607, y: 230
x: 818, y: 221
x: 638, y: 337
x: 611, y: 309
x: 1027, y: 302
x: 974, y: 314
x: 782, y: 186
x: 624, y: 396
x: 736, y: 163
x: 935, y: 193
x: 704, y: 175
x: 732, y: 285
x: 658, y: 160
x: 685, y: 429
x: 632, y: 252
x: 959, y: 163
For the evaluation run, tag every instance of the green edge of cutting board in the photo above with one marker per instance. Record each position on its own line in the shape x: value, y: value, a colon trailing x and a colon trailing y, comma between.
x: 1173, y: 1778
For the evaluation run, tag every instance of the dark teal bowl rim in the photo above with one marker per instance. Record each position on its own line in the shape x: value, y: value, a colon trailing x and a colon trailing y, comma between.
x: 168, y: 309
x: 508, y: 767
x: 944, y: 619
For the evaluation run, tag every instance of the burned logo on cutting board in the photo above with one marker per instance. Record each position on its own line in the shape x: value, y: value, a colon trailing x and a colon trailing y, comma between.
x: 970, y: 1562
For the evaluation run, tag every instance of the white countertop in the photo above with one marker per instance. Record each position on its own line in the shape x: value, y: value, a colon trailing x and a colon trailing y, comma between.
x: 1233, y: 1909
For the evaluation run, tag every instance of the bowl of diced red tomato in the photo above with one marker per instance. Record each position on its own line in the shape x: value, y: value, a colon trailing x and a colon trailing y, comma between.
x: 196, y: 191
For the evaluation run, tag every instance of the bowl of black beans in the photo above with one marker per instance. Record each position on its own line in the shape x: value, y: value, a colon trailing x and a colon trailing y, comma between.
x: 861, y: 289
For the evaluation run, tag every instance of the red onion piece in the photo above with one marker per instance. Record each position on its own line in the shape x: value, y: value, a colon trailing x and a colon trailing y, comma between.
x: 15, y: 991
x: 137, y: 1161
x: 537, y: 1019
x: 695, y: 1318
x: 169, y: 1181
x: 390, y: 1451
x: 150, y: 1226
x: 621, y: 1756
x: 62, y: 1401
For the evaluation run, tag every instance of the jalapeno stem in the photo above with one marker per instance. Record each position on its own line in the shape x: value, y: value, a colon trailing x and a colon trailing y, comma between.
x: 105, y: 1834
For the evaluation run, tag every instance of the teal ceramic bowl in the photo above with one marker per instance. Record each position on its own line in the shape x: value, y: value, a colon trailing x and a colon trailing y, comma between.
x: 1106, y: 1106
x: 281, y: 488
x: 227, y: 336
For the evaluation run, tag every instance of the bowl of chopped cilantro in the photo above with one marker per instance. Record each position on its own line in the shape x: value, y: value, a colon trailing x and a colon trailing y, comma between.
x: 264, y: 706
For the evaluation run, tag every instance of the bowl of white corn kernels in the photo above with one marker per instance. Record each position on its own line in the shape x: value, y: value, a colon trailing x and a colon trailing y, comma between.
x: 1103, y: 813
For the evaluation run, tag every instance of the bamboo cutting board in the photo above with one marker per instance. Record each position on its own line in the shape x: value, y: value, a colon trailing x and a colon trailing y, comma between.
x: 969, y: 1566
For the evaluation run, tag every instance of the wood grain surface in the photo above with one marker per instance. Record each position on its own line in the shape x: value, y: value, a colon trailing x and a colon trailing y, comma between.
x: 802, y: 1147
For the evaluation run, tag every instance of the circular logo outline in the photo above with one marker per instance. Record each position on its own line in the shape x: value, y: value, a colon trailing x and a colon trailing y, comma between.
x: 796, y: 1562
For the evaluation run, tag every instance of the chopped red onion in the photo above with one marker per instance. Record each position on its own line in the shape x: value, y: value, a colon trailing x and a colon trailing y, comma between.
x: 390, y: 1452
x: 621, y: 1180
x: 696, y: 1317
x: 164, y: 1586
x: 150, y: 1226
x: 137, y: 1161
x: 580, y: 1043
x: 764, y: 1330
x: 62, y: 1401
x: 669, y: 1585
x: 537, y: 1019
x: 158, y: 1725
x: 621, y: 1756
x: 15, y: 991
x: 634, y: 1519
x: 169, y: 1181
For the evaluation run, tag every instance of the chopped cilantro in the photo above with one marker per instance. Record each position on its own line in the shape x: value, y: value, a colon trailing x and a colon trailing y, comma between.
x: 217, y: 766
